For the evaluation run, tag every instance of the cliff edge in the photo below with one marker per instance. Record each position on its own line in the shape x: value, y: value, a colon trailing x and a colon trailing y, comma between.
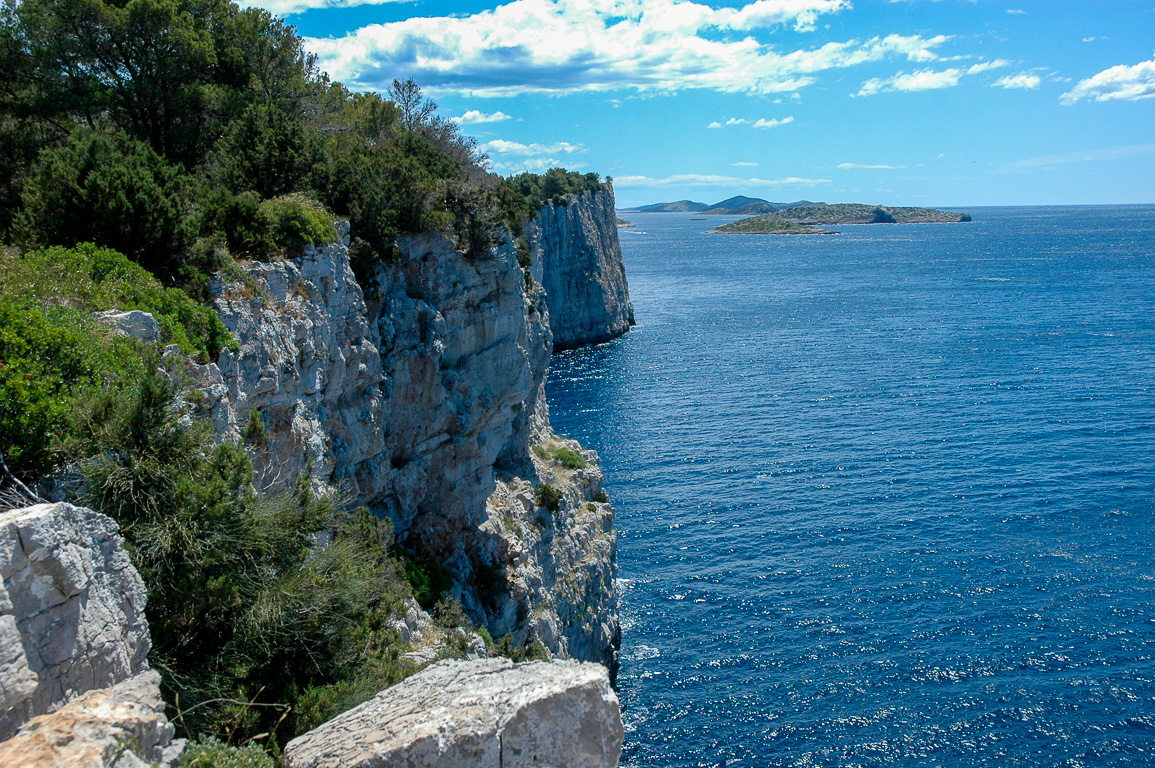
x: 578, y: 260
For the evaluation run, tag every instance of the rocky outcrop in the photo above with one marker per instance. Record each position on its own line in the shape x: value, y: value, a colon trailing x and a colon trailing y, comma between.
x: 578, y: 260
x: 119, y: 727
x: 71, y: 610
x: 487, y: 713
x: 135, y: 322
x: 424, y: 402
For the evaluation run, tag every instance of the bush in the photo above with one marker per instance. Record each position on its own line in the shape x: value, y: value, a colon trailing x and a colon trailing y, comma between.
x: 570, y: 459
x: 93, y: 279
x: 295, y: 219
x: 208, y: 752
x: 112, y: 190
x: 53, y: 363
x: 549, y: 497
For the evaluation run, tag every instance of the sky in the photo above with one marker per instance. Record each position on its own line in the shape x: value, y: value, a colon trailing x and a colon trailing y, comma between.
x: 906, y: 102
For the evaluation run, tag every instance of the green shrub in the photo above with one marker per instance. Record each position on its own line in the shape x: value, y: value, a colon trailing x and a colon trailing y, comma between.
x: 569, y: 458
x: 208, y: 752
x: 601, y: 497
x: 429, y: 580
x: 53, y: 363
x: 93, y: 279
x: 549, y: 497
x: 295, y: 218
x: 112, y: 190
x: 531, y: 650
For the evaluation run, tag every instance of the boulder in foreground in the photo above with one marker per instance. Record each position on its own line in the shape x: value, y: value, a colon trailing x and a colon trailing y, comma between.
x: 488, y: 713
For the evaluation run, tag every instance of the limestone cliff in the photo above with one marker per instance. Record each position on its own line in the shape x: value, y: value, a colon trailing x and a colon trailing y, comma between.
x: 578, y: 259
x: 426, y: 402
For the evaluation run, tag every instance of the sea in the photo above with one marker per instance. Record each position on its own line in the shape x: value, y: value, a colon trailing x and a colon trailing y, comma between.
x: 884, y: 497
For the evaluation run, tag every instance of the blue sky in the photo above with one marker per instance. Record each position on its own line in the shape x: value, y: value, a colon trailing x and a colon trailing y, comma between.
x: 908, y: 102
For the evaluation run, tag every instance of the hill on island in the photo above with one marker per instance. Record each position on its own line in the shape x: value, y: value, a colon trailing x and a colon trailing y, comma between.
x: 768, y: 225
x: 739, y: 205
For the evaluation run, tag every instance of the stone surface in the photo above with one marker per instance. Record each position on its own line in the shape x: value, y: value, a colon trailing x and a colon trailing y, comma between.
x: 71, y: 610
x: 119, y: 727
x: 136, y: 323
x: 582, y: 270
x: 423, y: 401
x: 488, y: 713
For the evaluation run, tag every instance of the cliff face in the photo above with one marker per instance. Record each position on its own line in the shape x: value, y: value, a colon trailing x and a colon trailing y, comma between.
x: 578, y: 260
x: 427, y: 403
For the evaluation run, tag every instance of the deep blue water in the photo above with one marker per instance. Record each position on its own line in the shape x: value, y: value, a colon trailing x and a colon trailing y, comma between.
x: 884, y: 498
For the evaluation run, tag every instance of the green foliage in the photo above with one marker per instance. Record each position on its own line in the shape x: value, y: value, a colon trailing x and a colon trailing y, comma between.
x: 601, y: 497
x: 531, y: 650
x: 209, y: 752
x: 569, y: 458
x: 251, y: 601
x: 430, y: 581
x: 519, y: 197
x: 295, y: 219
x: 53, y: 362
x: 549, y: 497
x: 94, y: 279
x: 255, y: 434
x: 109, y: 189
x: 265, y: 150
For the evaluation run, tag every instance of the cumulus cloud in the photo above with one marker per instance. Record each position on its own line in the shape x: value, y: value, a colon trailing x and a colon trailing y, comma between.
x: 565, y: 46
x: 477, y: 117
x: 1122, y: 83
x: 983, y: 66
x: 871, y: 167
x: 765, y: 124
x: 710, y: 180
x: 1023, y: 80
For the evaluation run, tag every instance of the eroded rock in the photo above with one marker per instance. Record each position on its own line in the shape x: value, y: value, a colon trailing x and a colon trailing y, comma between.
x: 488, y: 713
x: 135, y: 322
x: 71, y: 610
x: 119, y: 727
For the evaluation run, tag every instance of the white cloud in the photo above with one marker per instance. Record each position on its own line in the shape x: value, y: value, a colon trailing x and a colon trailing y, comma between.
x: 564, y: 46
x: 503, y: 147
x: 871, y: 167
x: 477, y: 117
x: 983, y: 66
x: 535, y: 164
x: 709, y: 180
x: 731, y: 121
x: 926, y: 79
x: 1121, y: 83
x: 289, y: 7
x: 919, y: 80
x: 1024, y: 80
x: 774, y: 123
x: 1016, y: 11
x: 744, y: 164
x: 759, y: 123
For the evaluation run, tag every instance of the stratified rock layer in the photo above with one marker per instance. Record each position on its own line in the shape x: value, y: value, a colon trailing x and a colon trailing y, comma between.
x: 487, y: 713
x: 582, y: 270
x: 71, y: 610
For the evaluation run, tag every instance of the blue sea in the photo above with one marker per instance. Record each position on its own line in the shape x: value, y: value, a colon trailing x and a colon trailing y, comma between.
x: 886, y: 497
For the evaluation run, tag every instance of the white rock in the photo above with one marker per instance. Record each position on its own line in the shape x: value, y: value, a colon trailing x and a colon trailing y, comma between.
x: 136, y: 323
x: 71, y: 610
x: 119, y: 727
x: 488, y: 713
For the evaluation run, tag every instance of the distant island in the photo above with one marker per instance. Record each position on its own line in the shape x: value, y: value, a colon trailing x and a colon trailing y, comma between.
x: 768, y: 225
x: 807, y: 212
x: 739, y: 205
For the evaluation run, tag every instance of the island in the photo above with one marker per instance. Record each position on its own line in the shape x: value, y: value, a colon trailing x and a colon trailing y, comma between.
x: 859, y: 213
x: 768, y: 225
